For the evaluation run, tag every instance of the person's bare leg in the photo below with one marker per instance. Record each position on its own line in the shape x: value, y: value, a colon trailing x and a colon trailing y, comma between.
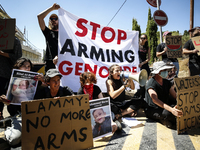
x: 129, y: 111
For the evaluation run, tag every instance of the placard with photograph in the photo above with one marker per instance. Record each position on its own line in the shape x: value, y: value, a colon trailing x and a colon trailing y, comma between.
x: 22, y: 86
x: 100, y: 117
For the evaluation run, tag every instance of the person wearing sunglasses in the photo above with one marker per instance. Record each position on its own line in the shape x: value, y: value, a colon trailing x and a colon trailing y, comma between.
x: 144, y: 53
x: 51, y: 36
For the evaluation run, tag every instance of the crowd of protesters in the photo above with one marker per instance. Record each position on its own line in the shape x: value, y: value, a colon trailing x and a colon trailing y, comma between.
x: 157, y: 107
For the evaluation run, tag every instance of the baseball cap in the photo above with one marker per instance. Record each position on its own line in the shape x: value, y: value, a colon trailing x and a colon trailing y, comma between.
x: 191, y: 30
x: 160, y: 65
x: 52, y: 73
x: 53, y: 15
x: 166, y: 33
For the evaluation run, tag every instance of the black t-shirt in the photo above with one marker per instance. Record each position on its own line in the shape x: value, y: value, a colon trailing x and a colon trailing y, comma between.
x: 96, y: 91
x: 142, y: 53
x: 119, y: 99
x: 51, y: 43
x: 190, y: 46
x: 45, y: 92
x: 160, y: 48
x: 162, y: 91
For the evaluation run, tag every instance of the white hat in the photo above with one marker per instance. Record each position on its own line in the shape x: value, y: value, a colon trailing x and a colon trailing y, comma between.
x: 160, y: 65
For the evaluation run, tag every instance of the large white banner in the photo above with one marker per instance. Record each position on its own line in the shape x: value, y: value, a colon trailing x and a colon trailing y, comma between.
x: 88, y: 46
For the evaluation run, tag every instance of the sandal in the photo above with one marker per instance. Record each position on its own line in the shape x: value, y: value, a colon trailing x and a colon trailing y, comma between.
x: 118, y: 116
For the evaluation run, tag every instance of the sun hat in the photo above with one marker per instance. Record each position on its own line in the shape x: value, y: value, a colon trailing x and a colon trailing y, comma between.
x: 160, y: 65
x: 52, y: 73
x: 191, y: 30
x: 53, y: 15
x: 166, y: 33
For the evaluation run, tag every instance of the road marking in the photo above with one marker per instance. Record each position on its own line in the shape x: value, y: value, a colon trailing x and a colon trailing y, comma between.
x: 164, y: 134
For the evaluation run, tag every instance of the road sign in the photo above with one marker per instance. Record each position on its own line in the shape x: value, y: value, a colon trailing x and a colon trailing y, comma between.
x: 153, y: 2
x: 160, y: 17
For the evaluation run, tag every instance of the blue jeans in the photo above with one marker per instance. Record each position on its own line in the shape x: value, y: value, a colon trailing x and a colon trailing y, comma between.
x: 177, y: 67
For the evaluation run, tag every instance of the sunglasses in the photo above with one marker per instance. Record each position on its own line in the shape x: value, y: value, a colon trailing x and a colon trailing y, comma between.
x: 52, y: 19
x: 142, y: 38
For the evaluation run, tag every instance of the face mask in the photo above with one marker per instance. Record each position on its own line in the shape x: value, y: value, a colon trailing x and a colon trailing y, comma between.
x: 164, y: 74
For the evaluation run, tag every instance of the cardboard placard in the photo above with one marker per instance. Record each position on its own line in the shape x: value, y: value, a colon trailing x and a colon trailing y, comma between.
x: 62, y: 123
x: 196, y: 42
x: 174, y: 46
x: 7, y: 33
x: 188, y: 100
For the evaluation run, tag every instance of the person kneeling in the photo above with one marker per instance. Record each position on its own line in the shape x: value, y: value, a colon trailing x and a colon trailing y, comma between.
x: 160, y: 106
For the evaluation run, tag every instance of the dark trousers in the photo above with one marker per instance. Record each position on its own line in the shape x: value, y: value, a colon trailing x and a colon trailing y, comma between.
x: 14, y: 109
x: 49, y: 65
x: 3, y: 88
x: 134, y: 104
x: 159, y: 114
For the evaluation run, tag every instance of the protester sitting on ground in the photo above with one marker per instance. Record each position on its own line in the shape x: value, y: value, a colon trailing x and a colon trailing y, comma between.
x: 189, y: 49
x: 12, y: 133
x: 102, y: 122
x: 116, y: 90
x: 52, y: 79
x: 88, y: 81
x: 160, y: 107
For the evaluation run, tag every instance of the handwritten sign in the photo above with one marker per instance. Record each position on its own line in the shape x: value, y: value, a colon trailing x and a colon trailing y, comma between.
x: 196, y: 42
x: 188, y: 95
x: 174, y: 46
x: 7, y: 33
x: 62, y: 123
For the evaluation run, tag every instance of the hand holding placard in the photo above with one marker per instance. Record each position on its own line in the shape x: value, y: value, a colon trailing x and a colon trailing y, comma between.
x: 196, y: 42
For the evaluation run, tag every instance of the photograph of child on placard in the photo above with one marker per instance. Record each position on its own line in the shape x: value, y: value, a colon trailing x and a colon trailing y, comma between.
x: 22, y: 86
x: 22, y: 90
x: 101, y: 122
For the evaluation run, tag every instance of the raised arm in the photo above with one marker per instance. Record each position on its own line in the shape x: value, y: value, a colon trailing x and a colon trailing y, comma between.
x: 43, y: 14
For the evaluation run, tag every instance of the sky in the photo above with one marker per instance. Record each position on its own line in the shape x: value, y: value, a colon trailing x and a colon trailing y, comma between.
x: 100, y: 11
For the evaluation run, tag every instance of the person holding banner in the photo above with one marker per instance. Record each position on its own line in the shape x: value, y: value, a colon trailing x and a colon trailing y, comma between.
x: 116, y: 90
x: 51, y: 36
x: 161, y: 107
x: 144, y: 50
x: 161, y: 50
x: 189, y: 49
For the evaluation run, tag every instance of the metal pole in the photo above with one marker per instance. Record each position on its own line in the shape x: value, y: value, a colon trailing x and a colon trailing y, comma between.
x: 158, y: 7
x: 191, y: 14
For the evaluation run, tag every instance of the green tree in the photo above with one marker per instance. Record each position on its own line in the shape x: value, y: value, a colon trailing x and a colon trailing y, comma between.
x: 135, y: 26
x: 151, y: 32
x: 185, y: 33
x: 185, y: 37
